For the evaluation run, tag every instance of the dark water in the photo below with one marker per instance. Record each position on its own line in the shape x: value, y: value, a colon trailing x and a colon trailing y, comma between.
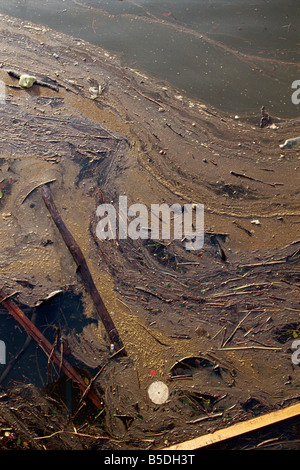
x: 55, y: 319
x: 235, y: 55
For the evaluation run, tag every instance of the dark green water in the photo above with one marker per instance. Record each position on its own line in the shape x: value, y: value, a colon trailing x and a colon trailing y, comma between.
x: 252, y: 61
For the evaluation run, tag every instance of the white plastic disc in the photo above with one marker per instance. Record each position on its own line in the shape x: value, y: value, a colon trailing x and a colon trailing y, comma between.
x: 158, y: 392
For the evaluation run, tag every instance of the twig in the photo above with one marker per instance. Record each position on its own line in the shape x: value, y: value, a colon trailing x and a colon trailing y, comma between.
x: 91, y: 383
x: 242, y: 175
x: 37, y: 82
x: 223, y: 337
x: 180, y: 377
x: 212, y: 416
x: 220, y: 331
x: 236, y: 328
x: 8, y: 297
x: 116, y: 353
x: 70, y: 432
x: 243, y: 228
x: 188, y: 263
x: 98, y: 373
x: 232, y: 293
x: 175, y: 132
x: 295, y: 253
x: 249, y: 347
x: 142, y: 289
x: 151, y: 334
x: 148, y: 98
x: 263, y: 263
x: 53, y: 349
x: 180, y: 336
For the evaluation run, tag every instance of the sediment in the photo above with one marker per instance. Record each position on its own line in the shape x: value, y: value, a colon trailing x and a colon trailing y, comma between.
x: 216, y: 325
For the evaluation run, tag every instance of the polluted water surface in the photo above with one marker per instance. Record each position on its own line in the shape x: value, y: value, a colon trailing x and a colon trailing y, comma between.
x: 207, y: 335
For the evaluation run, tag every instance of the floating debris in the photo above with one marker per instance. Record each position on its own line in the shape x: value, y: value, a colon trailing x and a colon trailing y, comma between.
x: 255, y: 222
x: 95, y: 92
x: 48, y: 297
x: 158, y: 392
x: 290, y: 143
x: 265, y: 119
x: 26, y: 81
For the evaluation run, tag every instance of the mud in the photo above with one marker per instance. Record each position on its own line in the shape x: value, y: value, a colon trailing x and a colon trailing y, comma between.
x: 215, y: 325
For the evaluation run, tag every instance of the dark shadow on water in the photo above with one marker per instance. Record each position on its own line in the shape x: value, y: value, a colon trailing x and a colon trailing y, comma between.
x: 55, y: 319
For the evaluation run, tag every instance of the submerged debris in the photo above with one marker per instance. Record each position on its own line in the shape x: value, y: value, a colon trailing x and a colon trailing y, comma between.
x: 290, y: 143
x: 265, y: 119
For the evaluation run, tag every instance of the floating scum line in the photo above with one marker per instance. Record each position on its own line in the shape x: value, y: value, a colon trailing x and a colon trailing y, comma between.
x: 238, y: 429
x: 152, y: 18
x: 83, y: 269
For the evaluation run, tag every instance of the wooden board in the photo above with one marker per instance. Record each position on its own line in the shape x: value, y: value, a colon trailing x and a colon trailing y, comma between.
x: 238, y: 429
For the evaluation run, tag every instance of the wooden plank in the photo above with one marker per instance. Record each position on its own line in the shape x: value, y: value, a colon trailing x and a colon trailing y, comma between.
x: 238, y: 429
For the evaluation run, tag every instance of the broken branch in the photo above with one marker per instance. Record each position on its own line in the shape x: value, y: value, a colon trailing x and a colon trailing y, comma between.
x: 83, y: 269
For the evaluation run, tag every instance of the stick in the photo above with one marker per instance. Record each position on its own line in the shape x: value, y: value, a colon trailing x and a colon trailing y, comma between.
x: 46, y: 346
x: 235, y: 330
x: 151, y: 334
x: 152, y: 293
x: 242, y: 175
x: 243, y: 228
x: 73, y: 433
x: 220, y: 331
x: 97, y: 375
x: 83, y: 269
x: 249, y: 347
x: 263, y: 263
x: 9, y: 296
x: 203, y: 418
x: 91, y: 383
x: 148, y: 98
x: 37, y: 82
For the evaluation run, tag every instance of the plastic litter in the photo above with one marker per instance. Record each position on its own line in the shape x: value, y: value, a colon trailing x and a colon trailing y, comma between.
x: 290, y: 143
x: 158, y: 392
x: 95, y: 92
x: 26, y: 81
